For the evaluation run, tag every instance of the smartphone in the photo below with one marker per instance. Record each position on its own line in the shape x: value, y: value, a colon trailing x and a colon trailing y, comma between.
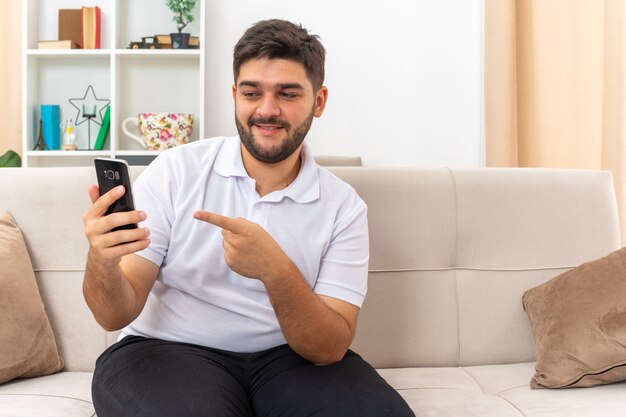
x: 111, y: 173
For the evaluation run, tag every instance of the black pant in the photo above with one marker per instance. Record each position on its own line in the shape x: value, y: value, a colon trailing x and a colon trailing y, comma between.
x: 150, y: 377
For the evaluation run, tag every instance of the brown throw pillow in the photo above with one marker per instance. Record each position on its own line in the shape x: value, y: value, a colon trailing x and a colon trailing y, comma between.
x: 579, y: 324
x: 27, y: 345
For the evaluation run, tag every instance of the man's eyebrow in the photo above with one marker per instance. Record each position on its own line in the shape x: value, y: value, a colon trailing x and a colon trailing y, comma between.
x: 254, y: 84
x: 277, y: 86
x: 285, y: 86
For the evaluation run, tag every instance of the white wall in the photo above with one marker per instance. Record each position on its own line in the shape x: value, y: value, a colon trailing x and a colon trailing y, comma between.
x: 404, y: 77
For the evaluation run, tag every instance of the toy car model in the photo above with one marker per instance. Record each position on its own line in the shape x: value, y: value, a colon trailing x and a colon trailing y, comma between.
x: 147, y: 42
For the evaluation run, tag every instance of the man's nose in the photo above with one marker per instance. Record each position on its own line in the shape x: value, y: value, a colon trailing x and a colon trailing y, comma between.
x: 268, y: 107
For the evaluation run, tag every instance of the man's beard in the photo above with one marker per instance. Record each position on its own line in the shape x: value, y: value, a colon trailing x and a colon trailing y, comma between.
x: 279, y: 152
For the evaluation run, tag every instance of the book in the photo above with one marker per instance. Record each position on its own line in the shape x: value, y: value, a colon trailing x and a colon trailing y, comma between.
x: 51, y: 121
x: 164, y: 41
x: 70, y: 25
x: 91, y: 27
x: 194, y: 42
x: 64, y: 44
x: 104, y: 130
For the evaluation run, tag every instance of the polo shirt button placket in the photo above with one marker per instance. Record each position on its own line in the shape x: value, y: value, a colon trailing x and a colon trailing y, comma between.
x: 252, y: 210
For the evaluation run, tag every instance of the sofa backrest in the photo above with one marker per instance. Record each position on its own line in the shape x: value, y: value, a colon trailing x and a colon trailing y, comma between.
x: 452, y: 251
x: 338, y: 161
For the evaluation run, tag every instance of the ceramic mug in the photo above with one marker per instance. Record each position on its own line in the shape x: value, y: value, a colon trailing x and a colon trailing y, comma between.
x: 160, y: 131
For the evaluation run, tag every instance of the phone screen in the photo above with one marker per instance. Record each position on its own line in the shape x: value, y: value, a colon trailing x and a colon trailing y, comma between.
x: 110, y: 174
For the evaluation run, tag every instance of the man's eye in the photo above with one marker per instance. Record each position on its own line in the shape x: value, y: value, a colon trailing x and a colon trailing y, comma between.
x: 289, y: 96
x: 250, y: 94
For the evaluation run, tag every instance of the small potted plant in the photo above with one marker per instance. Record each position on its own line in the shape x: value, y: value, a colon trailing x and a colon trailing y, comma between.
x: 182, y: 16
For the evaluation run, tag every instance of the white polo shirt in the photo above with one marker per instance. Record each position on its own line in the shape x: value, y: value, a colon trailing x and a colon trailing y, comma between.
x: 319, y: 221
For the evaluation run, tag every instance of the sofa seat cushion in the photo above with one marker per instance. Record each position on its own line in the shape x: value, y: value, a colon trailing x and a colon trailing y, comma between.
x: 499, y: 391
x: 65, y: 394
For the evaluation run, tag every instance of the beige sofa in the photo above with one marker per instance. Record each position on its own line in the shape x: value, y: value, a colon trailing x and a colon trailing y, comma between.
x: 452, y: 251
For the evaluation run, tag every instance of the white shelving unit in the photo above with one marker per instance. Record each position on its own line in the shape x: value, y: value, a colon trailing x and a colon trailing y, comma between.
x: 134, y: 80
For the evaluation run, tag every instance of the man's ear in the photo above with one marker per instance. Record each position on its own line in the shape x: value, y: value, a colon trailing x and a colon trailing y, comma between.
x: 234, y: 88
x: 320, y: 101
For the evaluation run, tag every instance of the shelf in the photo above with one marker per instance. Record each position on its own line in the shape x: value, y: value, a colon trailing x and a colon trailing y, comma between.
x: 158, y: 52
x: 82, y: 152
x: 107, y: 52
x: 133, y: 80
x: 136, y: 153
x: 68, y: 154
x: 68, y: 52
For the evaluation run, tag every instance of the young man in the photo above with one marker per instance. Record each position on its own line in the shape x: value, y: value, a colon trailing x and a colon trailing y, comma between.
x: 239, y: 293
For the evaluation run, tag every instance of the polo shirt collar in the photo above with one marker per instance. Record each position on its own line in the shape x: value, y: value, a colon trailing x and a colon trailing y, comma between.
x: 228, y: 162
x: 304, y: 189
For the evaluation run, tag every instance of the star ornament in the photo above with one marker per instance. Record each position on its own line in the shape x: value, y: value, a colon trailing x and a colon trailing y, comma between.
x: 89, y: 99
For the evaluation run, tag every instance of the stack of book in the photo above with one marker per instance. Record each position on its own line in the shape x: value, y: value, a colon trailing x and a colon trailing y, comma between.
x: 78, y: 28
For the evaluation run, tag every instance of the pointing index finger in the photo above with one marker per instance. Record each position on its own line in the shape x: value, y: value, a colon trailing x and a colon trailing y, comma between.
x: 218, y: 220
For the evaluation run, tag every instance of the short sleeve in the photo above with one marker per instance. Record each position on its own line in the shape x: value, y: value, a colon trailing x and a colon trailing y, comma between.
x: 344, y: 265
x: 154, y: 192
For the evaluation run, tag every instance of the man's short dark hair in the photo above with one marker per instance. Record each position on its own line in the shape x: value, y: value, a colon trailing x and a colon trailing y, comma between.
x: 282, y: 39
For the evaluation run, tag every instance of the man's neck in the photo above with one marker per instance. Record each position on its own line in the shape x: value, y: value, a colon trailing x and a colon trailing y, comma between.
x: 272, y: 177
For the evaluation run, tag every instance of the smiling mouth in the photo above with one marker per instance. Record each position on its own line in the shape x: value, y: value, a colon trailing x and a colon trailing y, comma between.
x: 268, y: 127
x: 270, y: 124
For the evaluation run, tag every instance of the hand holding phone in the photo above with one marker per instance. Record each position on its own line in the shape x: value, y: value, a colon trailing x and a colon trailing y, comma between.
x: 112, y: 173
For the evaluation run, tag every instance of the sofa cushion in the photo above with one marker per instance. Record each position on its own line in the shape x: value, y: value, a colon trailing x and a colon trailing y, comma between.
x: 497, y: 391
x: 27, y: 344
x: 579, y: 325
x: 66, y: 394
